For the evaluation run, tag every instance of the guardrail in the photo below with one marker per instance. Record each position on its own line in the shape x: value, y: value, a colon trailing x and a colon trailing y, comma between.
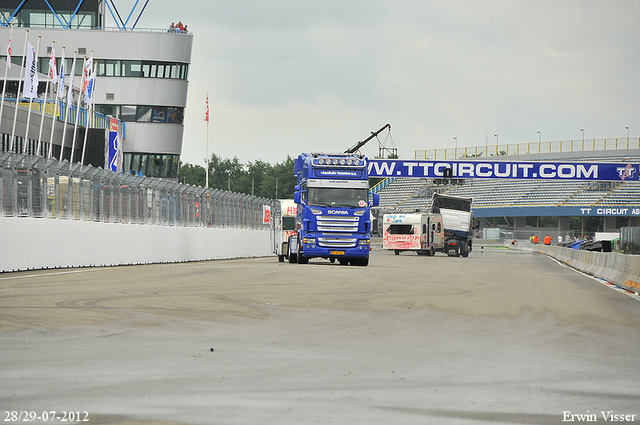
x: 37, y: 187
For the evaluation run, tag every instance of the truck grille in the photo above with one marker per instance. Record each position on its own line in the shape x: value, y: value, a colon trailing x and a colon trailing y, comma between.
x: 339, y: 231
x: 337, y: 224
x: 337, y: 242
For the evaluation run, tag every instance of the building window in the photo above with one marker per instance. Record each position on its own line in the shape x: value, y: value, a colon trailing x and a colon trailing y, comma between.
x: 140, y: 69
x: 151, y: 165
x: 132, y: 69
x: 142, y: 113
x: 127, y: 113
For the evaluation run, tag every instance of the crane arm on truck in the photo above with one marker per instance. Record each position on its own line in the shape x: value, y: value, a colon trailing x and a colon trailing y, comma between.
x: 358, y: 145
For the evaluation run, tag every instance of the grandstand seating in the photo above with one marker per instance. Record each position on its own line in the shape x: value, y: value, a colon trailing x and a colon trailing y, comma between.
x: 410, y: 194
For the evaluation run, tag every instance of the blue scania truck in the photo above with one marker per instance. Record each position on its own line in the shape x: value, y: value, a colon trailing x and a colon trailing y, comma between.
x: 333, y: 209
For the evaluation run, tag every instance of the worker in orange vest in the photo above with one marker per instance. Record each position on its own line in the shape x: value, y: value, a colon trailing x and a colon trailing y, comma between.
x: 547, y: 240
x: 536, y: 240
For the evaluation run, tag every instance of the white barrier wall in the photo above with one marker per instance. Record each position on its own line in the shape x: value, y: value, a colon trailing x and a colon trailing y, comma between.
x: 36, y: 243
x: 622, y: 270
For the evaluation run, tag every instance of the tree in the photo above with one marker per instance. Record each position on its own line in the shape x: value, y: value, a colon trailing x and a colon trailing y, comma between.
x: 258, y: 177
x: 192, y: 174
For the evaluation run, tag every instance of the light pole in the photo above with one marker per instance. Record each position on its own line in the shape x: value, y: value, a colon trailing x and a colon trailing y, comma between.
x: 539, y: 135
x: 496, y: 144
x: 455, y: 152
x: 582, y: 130
x: 627, y: 127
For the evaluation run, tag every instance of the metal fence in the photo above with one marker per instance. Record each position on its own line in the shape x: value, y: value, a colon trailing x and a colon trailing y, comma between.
x: 529, y: 148
x: 34, y: 186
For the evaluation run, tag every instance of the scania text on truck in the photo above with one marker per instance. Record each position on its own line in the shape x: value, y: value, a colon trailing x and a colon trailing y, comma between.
x: 333, y: 218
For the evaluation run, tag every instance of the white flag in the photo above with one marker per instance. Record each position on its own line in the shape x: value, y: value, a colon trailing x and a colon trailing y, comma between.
x: 61, y: 81
x: 53, y: 68
x: 9, y: 54
x: 71, y: 75
x: 31, y: 75
x: 86, y: 72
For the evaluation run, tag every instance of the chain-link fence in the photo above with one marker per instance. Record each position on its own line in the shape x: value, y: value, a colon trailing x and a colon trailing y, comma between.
x: 34, y: 186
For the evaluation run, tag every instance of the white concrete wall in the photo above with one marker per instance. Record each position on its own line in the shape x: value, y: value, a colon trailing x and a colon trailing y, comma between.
x: 32, y: 243
x: 623, y: 270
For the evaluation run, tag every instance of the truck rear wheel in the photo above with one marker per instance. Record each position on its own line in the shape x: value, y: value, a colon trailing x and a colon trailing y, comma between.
x: 397, y: 252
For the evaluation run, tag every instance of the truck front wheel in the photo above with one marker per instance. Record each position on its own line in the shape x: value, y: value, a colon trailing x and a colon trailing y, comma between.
x: 301, y: 258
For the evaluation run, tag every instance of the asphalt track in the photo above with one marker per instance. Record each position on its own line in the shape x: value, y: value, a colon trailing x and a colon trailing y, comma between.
x: 500, y: 337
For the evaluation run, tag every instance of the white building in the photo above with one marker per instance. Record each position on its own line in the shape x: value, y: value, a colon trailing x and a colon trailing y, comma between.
x: 142, y: 74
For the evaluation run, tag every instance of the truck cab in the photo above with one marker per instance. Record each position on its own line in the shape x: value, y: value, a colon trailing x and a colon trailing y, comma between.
x: 333, y: 218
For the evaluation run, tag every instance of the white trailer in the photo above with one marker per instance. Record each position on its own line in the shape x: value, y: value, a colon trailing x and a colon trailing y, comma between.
x: 419, y: 232
x: 284, y: 225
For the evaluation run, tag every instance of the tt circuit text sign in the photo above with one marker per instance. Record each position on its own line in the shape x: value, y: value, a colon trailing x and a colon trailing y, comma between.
x: 601, y: 171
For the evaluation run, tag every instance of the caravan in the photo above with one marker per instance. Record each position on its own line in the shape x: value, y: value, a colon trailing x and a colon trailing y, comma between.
x: 419, y: 232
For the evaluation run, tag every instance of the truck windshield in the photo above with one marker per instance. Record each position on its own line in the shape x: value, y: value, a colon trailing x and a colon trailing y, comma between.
x: 337, y: 197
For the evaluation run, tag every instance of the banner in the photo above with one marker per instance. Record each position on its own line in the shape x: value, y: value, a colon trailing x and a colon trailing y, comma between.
x: 114, y: 151
x: 266, y: 214
x: 31, y: 76
x: 526, y: 170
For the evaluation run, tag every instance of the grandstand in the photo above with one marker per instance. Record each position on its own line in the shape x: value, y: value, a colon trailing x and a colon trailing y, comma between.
x: 513, y: 202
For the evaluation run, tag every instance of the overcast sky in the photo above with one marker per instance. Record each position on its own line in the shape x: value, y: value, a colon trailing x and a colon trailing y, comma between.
x: 291, y: 76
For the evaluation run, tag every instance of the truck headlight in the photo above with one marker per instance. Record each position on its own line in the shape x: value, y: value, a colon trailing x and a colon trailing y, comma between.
x: 308, y: 240
x: 365, y: 242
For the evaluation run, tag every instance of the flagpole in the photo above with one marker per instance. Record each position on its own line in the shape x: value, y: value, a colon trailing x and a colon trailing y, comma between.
x: 34, y: 65
x: 6, y: 70
x: 207, y: 119
x: 15, y: 113
x: 89, y: 109
x: 55, y: 106
x: 46, y: 97
x: 70, y: 95
x: 75, y: 126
